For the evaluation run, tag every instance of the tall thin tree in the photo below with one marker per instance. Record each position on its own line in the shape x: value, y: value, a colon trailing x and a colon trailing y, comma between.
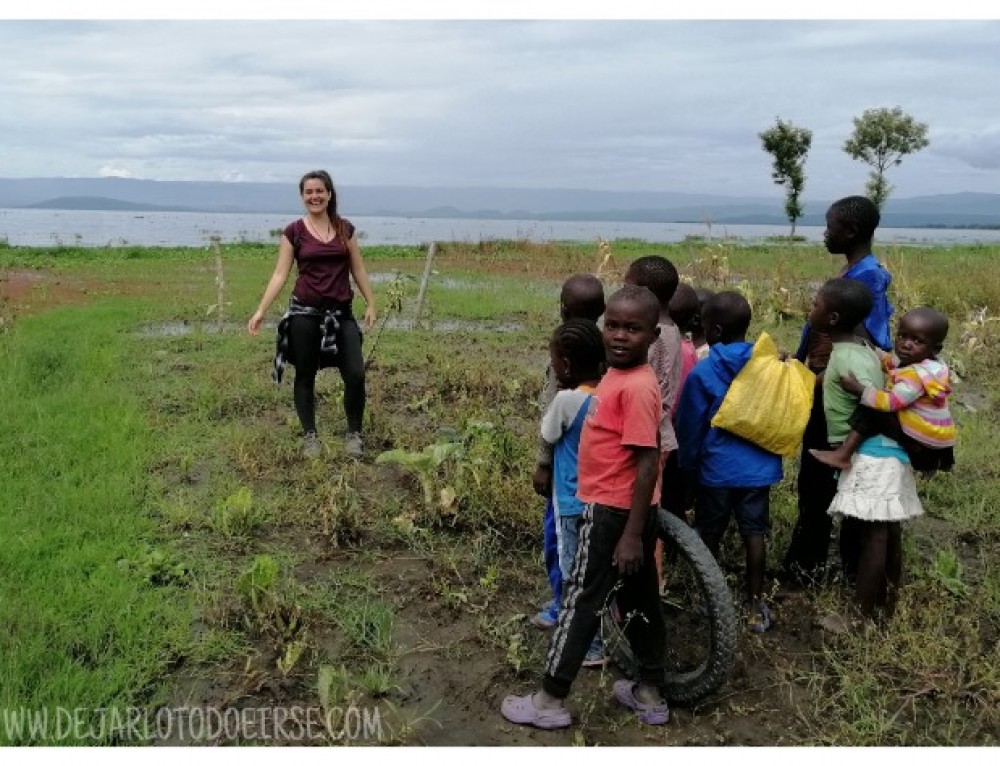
x: 881, y: 138
x: 788, y: 147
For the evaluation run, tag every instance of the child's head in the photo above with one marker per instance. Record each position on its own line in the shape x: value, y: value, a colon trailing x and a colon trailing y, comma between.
x: 577, y: 352
x: 581, y: 297
x: 703, y: 294
x: 630, y: 326
x: 685, y: 308
x: 725, y: 317
x: 920, y: 335
x: 840, y: 305
x: 850, y: 223
x: 698, y: 329
x: 656, y: 273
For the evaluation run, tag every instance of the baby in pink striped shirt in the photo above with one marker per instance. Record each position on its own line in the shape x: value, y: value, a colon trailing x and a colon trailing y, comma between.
x: 913, y: 409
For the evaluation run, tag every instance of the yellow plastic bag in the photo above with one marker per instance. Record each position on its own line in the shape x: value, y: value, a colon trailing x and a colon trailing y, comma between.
x: 769, y: 401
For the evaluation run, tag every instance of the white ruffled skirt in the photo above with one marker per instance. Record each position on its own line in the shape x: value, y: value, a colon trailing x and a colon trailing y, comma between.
x: 877, y: 489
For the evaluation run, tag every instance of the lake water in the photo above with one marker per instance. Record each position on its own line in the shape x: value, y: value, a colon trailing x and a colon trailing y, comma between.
x: 118, y: 228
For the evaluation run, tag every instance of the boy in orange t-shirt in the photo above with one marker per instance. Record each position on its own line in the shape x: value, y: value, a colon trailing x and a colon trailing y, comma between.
x: 619, y: 484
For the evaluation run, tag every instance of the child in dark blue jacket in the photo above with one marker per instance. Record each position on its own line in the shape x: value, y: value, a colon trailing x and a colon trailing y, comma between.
x: 734, y: 477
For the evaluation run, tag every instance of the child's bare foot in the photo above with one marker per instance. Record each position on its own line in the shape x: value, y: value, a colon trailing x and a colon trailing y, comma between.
x: 831, y: 458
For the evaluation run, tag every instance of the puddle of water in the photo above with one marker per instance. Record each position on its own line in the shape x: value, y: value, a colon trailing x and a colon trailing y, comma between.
x: 24, y: 276
x: 385, y: 277
x: 454, y: 325
x: 448, y: 283
x: 461, y: 283
x: 181, y: 328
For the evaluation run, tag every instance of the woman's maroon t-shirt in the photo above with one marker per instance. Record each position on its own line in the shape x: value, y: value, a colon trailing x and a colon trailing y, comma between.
x: 324, y: 269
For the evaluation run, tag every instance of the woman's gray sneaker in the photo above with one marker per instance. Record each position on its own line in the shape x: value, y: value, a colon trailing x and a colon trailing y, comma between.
x: 353, y: 445
x: 311, y: 448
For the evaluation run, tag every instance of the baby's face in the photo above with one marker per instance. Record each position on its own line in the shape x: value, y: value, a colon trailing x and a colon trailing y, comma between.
x: 915, y: 340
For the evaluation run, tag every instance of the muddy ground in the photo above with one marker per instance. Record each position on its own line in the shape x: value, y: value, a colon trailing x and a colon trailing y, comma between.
x: 452, y: 664
x: 452, y: 672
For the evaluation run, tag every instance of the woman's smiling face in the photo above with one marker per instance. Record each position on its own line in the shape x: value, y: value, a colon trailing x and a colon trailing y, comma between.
x: 315, y: 195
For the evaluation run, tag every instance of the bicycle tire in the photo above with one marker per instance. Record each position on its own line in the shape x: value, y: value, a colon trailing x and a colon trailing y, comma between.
x: 717, y: 616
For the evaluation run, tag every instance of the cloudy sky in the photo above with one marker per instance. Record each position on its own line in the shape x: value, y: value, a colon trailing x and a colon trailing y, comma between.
x: 659, y: 105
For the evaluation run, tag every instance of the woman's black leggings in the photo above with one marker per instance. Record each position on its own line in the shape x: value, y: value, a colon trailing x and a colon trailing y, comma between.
x: 304, y: 334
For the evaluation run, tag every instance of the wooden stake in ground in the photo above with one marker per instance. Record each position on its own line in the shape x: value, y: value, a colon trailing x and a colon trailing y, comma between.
x: 220, y: 281
x: 431, y: 252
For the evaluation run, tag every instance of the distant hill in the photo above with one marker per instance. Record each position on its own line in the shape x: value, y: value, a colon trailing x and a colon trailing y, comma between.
x: 946, y: 210
x: 104, y: 203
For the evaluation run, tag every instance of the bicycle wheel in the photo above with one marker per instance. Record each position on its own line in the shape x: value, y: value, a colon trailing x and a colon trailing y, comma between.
x: 699, y: 615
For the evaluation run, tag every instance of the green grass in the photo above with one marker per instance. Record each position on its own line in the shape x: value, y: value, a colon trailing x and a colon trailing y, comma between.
x: 149, y: 474
x: 84, y: 625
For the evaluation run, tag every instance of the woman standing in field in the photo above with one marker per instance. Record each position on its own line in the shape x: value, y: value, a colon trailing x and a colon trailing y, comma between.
x: 319, y: 328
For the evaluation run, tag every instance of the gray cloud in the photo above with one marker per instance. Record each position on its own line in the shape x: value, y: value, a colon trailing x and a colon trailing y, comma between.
x: 650, y: 105
x: 977, y: 149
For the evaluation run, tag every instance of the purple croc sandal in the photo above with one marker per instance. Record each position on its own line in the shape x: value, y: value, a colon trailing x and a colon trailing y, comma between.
x: 653, y: 715
x: 522, y: 710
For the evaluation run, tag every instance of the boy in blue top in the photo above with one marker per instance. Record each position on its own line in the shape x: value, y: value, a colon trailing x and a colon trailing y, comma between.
x: 734, y: 477
x: 850, y: 229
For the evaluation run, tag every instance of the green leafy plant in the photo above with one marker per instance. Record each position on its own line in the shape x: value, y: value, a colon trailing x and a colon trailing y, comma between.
x: 335, y: 687
x: 237, y: 515
x: 425, y: 464
x: 948, y: 570
x: 291, y: 655
x: 490, y: 581
x: 257, y: 585
x: 508, y: 637
x: 158, y: 566
x: 271, y: 609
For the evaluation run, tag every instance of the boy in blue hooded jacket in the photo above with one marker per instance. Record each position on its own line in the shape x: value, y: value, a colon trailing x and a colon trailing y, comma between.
x: 734, y: 476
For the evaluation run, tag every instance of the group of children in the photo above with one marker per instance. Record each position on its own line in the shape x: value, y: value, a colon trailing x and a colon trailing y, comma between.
x: 631, y: 389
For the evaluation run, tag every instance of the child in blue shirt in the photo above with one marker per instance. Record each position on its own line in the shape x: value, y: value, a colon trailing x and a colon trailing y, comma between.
x: 581, y: 297
x: 734, y: 476
x: 577, y: 353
